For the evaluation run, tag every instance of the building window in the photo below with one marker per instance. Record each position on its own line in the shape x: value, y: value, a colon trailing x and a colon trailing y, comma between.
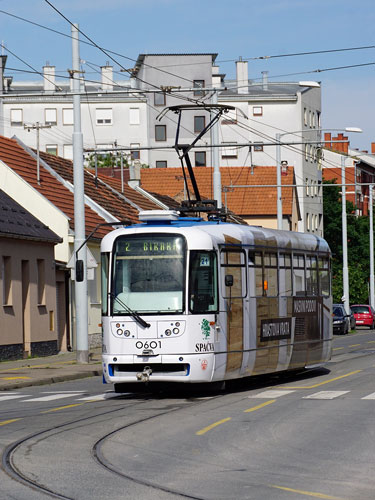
x: 306, y: 152
x: 199, y: 124
x: 200, y: 159
x: 103, y: 116
x: 41, y: 277
x: 258, y: 147
x: 199, y: 84
x: 51, y: 149
x: 159, y: 99
x: 229, y: 151
x: 307, y: 222
x: 68, y: 151
x: 135, y: 155
x: 160, y: 132
x: 134, y: 116
x: 67, y: 114
x: 305, y: 117
x: 307, y: 187
x: 161, y: 164
x: 16, y: 117
x: 257, y: 110
x: 50, y: 116
x: 6, y: 273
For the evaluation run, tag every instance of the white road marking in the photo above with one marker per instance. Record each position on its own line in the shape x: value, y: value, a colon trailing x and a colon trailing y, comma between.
x: 370, y: 396
x: 101, y: 397
x: 52, y: 397
x: 271, y: 394
x: 12, y: 396
x: 326, y: 395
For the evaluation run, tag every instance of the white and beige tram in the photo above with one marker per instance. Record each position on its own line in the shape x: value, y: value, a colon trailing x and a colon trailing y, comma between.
x: 188, y: 300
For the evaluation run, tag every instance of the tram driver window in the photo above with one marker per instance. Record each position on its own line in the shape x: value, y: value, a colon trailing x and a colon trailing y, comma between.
x: 311, y: 275
x: 285, y: 276
x: 203, y: 282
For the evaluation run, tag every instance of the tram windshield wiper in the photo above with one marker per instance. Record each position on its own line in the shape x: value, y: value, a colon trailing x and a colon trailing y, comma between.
x: 132, y: 313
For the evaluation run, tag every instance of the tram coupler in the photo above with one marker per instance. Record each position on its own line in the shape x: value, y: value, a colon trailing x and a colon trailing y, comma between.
x: 145, y: 375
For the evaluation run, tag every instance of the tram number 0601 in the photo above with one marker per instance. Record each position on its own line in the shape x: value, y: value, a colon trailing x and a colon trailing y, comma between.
x: 148, y: 345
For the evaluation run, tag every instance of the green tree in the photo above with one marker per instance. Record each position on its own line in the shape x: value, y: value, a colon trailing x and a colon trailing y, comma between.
x: 358, y: 246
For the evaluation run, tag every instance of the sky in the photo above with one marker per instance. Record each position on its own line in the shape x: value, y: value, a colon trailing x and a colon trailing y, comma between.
x: 239, y: 28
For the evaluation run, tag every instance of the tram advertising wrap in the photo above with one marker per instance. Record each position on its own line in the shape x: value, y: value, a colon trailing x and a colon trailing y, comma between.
x: 192, y: 301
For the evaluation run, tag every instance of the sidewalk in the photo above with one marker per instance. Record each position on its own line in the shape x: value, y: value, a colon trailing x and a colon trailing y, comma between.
x: 47, y: 370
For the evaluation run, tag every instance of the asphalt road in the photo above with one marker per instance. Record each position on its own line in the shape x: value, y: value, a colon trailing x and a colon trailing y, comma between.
x: 303, y: 436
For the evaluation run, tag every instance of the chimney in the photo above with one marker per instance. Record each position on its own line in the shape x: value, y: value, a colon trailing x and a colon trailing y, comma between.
x: 342, y: 147
x: 327, y: 140
x: 107, y: 77
x: 134, y: 173
x: 49, y: 78
x: 265, y: 80
x: 242, y: 77
x: 373, y: 148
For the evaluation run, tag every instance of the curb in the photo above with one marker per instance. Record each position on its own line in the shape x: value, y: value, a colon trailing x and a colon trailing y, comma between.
x: 52, y: 380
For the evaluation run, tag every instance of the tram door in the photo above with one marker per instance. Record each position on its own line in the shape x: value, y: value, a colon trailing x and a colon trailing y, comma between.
x: 234, y: 290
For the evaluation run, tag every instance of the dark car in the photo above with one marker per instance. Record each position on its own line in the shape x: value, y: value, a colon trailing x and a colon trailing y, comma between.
x: 352, y: 320
x: 341, y: 323
x: 364, y: 315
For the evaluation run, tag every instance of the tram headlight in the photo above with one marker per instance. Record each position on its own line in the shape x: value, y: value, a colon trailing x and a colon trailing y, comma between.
x: 168, y: 332
x: 127, y: 333
x: 177, y: 323
x: 119, y: 331
x: 176, y: 331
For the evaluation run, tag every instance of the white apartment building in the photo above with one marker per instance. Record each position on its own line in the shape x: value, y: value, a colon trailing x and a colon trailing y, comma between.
x: 126, y: 114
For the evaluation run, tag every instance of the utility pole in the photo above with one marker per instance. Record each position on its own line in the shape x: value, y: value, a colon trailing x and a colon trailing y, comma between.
x: 372, y: 298
x: 215, y: 155
x: 345, y: 272
x: 79, y: 209
x: 37, y: 126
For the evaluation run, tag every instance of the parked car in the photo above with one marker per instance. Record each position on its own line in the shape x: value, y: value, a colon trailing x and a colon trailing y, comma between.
x: 364, y: 315
x: 341, y: 320
x: 353, y: 322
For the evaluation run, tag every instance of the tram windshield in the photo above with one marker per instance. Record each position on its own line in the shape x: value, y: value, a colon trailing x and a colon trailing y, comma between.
x: 148, y: 274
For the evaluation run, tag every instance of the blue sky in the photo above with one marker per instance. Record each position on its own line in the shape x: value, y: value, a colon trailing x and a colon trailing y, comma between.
x: 231, y: 28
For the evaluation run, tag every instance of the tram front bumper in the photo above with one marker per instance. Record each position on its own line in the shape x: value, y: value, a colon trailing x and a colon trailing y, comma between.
x: 189, y: 368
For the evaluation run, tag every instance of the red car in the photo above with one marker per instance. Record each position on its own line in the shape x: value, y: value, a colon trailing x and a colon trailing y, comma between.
x: 364, y: 315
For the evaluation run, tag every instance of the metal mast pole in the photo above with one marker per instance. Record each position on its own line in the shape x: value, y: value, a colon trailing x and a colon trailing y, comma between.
x: 345, y: 273
x: 215, y: 155
x: 278, y: 182
x: 81, y: 301
x: 372, y: 298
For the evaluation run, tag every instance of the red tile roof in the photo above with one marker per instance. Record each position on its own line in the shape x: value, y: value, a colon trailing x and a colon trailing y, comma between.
x: 19, y: 160
x: 244, y: 201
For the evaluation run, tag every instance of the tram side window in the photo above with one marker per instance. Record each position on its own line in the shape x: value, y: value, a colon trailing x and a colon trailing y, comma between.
x: 233, y: 263
x: 270, y: 283
x: 285, y: 277
x: 105, y: 268
x: 203, y: 282
x: 311, y: 275
x: 324, y: 277
x: 256, y: 261
x: 299, y: 274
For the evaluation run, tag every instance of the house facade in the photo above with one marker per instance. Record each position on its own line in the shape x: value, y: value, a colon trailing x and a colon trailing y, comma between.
x: 30, y: 319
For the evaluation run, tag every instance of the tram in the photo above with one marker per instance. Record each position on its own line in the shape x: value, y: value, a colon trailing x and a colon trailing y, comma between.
x: 192, y: 301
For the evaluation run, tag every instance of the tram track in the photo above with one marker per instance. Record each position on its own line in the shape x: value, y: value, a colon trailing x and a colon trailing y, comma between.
x: 15, y: 472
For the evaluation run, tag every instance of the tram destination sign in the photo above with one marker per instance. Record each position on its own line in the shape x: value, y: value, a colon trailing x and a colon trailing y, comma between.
x: 275, y: 329
x: 305, y: 306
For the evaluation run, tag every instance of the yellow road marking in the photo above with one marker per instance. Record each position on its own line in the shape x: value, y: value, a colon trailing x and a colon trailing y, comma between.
x: 209, y: 427
x: 5, y: 422
x: 337, y: 348
x: 307, y: 493
x: 354, y: 345
x: 321, y: 383
x: 14, y: 378
x: 254, y: 408
x: 371, y: 341
x: 63, y: 407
